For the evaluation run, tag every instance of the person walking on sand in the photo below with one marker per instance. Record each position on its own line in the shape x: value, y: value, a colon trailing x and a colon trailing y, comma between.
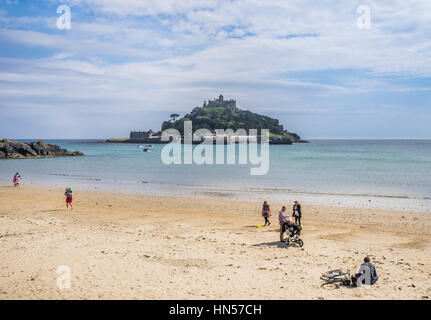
x: 68, y: 194
x: 266, y: 213
x: 297, y: 212
x: 16, y: 179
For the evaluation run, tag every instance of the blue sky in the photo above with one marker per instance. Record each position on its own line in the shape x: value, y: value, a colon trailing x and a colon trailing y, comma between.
x: 127, y: 65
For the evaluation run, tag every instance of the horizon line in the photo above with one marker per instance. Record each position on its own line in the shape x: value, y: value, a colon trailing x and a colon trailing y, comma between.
x: 376, y: 139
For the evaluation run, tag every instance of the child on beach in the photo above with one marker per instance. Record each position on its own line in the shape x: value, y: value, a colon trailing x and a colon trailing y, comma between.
x: 16, y: 180
x: 68, y: 195
x: 266, y: 213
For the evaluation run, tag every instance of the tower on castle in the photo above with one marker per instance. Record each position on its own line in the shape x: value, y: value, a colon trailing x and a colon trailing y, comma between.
x: 220, y: 102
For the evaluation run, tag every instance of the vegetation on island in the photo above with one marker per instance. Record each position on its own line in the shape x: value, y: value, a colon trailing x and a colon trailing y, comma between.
x: 118, y: 139
x: 218, y: 114
x: 213, y: 118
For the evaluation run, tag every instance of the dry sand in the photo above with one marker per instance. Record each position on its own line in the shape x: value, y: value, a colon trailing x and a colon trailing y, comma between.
x: 124, y: 246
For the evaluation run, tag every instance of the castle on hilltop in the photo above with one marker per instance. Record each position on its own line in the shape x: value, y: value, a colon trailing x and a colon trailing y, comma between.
x: 210, y: 119
x: 219, y: 103
x: 143, y: 136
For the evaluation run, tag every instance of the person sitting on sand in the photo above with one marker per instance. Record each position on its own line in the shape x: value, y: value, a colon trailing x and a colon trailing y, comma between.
x: 266, y: 212
x: 365, y: 269
x: 68, y: 195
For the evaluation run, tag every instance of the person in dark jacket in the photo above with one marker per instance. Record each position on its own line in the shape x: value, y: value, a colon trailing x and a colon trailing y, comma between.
x: 296, y: 212
x: 361, y: 277
x: 266, y: 212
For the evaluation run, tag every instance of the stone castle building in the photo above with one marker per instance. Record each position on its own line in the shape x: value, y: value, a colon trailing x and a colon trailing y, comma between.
x: 150, y: 137
x: 141, y: 135
x: 219, y: 103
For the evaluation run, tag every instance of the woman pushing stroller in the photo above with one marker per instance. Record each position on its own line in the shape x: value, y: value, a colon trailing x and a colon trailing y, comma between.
x: 292, y: 228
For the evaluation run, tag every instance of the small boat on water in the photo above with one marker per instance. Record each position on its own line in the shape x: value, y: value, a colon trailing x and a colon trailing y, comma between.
x: 140, y: 146
x: 146, y: 150
x: 149, y: 146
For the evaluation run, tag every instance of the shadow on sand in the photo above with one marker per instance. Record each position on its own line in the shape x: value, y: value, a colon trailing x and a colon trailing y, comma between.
x: 55, y: 210
x: 263, y: 227
x: 335, y: 286
x: 277, y: 244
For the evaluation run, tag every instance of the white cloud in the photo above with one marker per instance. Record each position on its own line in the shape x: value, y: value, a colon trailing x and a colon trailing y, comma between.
x: 143, y: 7
x: 170, y: 55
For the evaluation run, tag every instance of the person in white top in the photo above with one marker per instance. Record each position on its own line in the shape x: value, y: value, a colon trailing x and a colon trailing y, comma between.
x: 282, y: 219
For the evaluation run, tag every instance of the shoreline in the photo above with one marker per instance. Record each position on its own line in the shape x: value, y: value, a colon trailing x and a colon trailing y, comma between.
x: 129, y: 246
x: 352, y: 174
x: 363, y: 201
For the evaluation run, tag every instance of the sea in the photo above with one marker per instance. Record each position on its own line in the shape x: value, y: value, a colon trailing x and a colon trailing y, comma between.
x: 384, y: 174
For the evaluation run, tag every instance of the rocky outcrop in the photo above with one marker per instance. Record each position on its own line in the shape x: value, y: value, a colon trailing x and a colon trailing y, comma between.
x: 35, y: 149
x: 295, y: 138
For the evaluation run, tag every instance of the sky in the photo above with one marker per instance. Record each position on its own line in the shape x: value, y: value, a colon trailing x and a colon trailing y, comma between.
x: 326, y: 69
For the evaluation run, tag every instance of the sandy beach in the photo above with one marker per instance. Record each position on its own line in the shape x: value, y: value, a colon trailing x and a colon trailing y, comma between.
x: 127, y: 246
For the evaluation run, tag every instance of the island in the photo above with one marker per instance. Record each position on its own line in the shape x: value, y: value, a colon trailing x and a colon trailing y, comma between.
x: 36, y: 149
x: 217, y: 114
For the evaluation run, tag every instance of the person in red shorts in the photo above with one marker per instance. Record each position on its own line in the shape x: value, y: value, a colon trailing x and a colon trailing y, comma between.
x: 68, y: 195
x: 16, y: 180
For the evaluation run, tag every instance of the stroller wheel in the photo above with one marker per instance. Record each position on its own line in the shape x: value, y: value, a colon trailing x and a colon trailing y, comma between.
x: 300, y: 242
x: 287, y: 241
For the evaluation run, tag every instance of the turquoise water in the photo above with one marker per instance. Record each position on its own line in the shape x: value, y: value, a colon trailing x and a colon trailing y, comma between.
x: 368, y: 168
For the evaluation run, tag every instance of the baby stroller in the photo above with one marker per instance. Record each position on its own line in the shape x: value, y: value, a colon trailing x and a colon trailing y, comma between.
x: 293, y: 232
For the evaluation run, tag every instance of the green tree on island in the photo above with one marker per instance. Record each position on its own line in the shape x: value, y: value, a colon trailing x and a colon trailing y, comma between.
x: 173, y: 116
